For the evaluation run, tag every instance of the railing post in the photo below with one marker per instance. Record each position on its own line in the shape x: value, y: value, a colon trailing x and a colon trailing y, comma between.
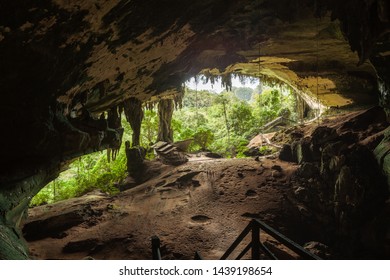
x: 156, y: 248
x: 198, y: 256
x: 255, y: 241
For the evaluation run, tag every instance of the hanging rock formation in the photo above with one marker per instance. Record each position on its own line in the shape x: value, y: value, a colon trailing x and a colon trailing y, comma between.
x: 165, y: 112
x: 134, y: 115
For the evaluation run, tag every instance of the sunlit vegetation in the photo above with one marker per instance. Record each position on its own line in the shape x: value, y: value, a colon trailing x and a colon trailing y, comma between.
x: 222, y: 123
x: 85, y: 174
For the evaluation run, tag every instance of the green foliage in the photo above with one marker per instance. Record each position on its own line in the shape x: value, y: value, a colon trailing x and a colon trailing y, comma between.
x: 149, y: 127
x: 85, y: 174
x: 269, y: 105
x: 273, y: 103
x: 203, y: 137
x: 197, y: 99
x: 241, y: 118
x: 243, y: 93
x: 231, y: 120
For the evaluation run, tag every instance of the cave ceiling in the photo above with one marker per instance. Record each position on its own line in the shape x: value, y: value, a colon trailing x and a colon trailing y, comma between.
x: 98, y: 53
x: 60, y: 58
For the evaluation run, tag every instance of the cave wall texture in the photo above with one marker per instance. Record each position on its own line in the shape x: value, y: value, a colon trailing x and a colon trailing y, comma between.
x: 63, y: 63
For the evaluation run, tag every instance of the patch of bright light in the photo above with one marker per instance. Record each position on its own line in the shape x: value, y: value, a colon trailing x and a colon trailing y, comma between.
x: 217, y: 86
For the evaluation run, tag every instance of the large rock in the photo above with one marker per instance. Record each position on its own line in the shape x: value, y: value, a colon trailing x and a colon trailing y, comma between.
x: 285, y: 153
x: 54, y: 225
x: 323, y: 134
x: 304, y: 153
x: 382, y: 154
x: 308, y: 170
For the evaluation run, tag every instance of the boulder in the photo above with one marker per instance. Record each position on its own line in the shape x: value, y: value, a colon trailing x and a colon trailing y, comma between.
x: 308, y: 170
x: 382, y: 155
x: 318, y: 249
x: 304, y: 153
x: 285, y: 153
x: 54, y: 224
x: 323, y: 134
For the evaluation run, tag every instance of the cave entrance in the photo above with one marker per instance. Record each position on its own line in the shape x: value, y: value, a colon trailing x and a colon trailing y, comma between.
x: 220, y: 119
x: 223, y: 116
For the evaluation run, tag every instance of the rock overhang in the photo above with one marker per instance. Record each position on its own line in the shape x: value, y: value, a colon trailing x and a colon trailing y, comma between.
x: 97, y: 54
x: 62, y: 58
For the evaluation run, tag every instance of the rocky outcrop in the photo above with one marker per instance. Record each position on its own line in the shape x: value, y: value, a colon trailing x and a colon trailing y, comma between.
x: 341, y: 183
x: 382, y: 154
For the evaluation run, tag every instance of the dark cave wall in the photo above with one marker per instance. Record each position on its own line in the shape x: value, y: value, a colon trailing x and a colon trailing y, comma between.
x: 339, y: 187
x: 14, y: 201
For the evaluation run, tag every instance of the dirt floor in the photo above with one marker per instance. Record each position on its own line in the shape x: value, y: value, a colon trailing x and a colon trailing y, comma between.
x: 202, y: 206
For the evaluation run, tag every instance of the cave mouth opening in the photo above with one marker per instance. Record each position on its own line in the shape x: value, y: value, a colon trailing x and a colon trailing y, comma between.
x: 220, y: 119
x: 223, y: 113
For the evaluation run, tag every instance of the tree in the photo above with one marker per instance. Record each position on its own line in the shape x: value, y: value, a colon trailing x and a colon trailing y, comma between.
x: 197, y: 99
x: 268, y: 104
x: 241, y: 118
x: 203, y: 137
x: 243, y: 93
x: 223, y: 100
x: 149, y: 127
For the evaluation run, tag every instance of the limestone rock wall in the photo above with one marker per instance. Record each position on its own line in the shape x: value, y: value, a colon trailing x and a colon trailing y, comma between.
x: 340, y: 185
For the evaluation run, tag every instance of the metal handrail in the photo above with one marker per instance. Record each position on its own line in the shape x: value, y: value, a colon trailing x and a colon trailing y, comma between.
x: 286, y: 241
x: 156, y: 253
x: 198, y: 256
x: 255, y: 226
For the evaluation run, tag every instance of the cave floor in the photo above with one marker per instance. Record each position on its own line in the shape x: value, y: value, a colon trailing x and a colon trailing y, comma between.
x: 202, y: 206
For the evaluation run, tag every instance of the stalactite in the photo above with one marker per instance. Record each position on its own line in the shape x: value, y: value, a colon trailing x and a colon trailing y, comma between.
x: 178, y: 98
x: 227, y: 81
x: 134, y: 115
x: 165, y: 112
x: 114, y: 122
